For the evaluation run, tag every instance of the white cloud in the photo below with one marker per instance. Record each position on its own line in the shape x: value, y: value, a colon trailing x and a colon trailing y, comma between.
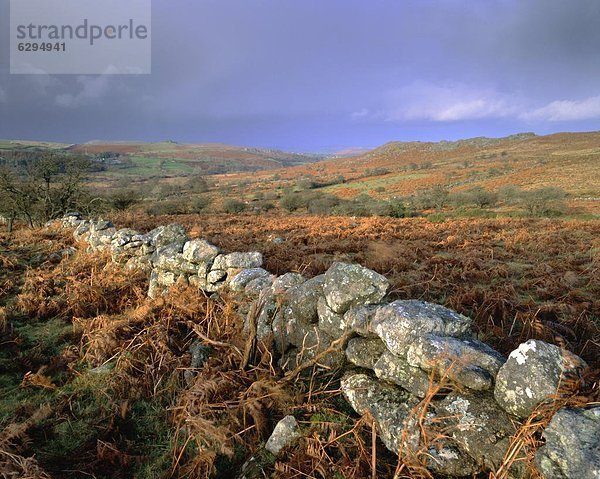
x: 566, y: 110
x: 445, y: 103
x: 461, y: 102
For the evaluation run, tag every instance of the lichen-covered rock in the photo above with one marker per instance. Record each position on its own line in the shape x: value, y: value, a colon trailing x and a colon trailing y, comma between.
x: 285, y: 433
x: 364, y: 352
x: 155, y: 290
x: 165, y: 235
x: 139, y: 262
x: 347, y: 285
x: 300, y: 302
x: 330, y: 321
x: 123, y: 237
x: 100, y: 240
x: 532, y: 375
x: 479, y: 426
x: 389, y: 405
x: 307, y: 338
x: 100, y: 225
x: 199, y: 251
x: 360, y: 319
x: 395, y: 369
x: 239, y: 282
x: 216, y: 275
x: 572, y: 449
x: 238, y: 261
x: 399, y: 323
x: 466, y: 361
x: 81, y: 230
x: 285, y: 282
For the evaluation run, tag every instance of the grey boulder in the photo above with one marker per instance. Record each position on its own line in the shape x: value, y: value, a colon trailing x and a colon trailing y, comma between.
x: 572, y: 449
x: 532, y: 375
x: 399, y: 323
x: 347, y: 285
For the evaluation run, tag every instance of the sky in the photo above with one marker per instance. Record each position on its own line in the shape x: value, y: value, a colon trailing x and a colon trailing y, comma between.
x: 322, y: 75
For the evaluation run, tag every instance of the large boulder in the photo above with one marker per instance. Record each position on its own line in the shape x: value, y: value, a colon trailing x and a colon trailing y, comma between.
x: 479, y: 426
x: 360, y: 319
x: 240, y: 281
x: 400, y: 323
x: 164, y: 235
x: 238, y: 261
x: 572, y: 449
x: 389, y: 405
x: 348, y: 285
x: 300, y: 302
x: 199, y: 251
x: 285, y: 282
x: 330, y: 321
x: 395, y: 369
x: 363, y: 352
x: 391, y: 408
x: 466, y: 361
x: 532, y: 375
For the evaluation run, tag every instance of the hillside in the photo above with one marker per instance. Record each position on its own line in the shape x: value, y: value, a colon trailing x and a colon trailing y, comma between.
x: 116, y: 160
x: 567, y: 160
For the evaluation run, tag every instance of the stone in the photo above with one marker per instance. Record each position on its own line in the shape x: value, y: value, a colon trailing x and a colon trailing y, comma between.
x: 286, y: 432
x: 285, y: 282
x: 165, y: 235
x: 238, y: 261
x: 330, y: 321
x: 307, y: 338
x: 155, y: 289
x: 81, y: 230
x: 300, y: 301
x: 468, y: 362
x: 363, y: 352
x: 200, y: 251
x: 98, y: 240
x: 139, y: 262
x: 389, y: 405
x: 360, y: 319
x: 572, y: 449
x: 200, y: 353
x: 348, y: 285
x: 100, y: 225
x: 122, y: 237
x: 399, y: 323
x: 395, y: 369
x: 479, y: 426
x: 239, y: 282
x: 166, y: 278
x: 215, y: 276
x: 258, y: 285
x: 532, y: 375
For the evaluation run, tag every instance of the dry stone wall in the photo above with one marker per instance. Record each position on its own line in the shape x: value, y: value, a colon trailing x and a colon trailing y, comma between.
x: 396, y: 353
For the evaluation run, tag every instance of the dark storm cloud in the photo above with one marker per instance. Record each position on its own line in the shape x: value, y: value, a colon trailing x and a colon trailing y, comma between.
x: 313, y: 75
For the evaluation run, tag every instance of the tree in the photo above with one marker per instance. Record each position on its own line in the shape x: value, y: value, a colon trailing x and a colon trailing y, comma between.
x: 44, y: 187
x: 544, y: 201
x: 122, y: 200
x: 233, y: 206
